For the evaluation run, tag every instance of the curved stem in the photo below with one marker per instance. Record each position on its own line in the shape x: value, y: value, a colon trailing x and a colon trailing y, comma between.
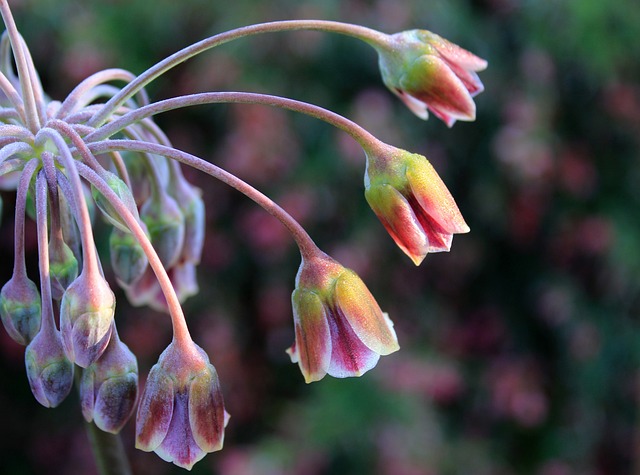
x: 307, y: 247
x: 180, y: 330
x: 364, y: 138
x: 89, y: 258
x: 19, y: 267
x: 16, y: 101
x: 31, y: 110
x: 48, y: 323
x: 368, y: 35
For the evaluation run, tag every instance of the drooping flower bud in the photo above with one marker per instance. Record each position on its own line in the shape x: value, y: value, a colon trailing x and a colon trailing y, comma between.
x: 21, y: 308
x: 128, y: 260
x: 429, y: 72
x: 181, y: 414
x: 49, y: 371
x: 165, y: 224
x: 109, y: 387
x: 86, y: 317
x: 189, y: 199
x: 339, y: 327
x: 124, y: 193
x: 412, y: 202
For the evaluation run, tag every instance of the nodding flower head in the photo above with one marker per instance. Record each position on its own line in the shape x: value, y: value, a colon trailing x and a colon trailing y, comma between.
x: 339, y: 327
x: 430, y: 73
x: 412, y: 202
x: 20, y: 308
x: 181, y: 415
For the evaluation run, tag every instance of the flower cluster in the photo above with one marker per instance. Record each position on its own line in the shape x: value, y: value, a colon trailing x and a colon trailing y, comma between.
x: 99, y: 153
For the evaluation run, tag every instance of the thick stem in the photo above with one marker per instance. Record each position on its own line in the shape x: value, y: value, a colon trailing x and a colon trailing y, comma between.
x: 180, y: 329
x: 364, y: 138
x: 368, y: 35
x: 108, y: 452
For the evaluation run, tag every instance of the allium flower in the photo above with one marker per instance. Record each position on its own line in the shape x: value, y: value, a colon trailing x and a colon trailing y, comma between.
x: 181, y: 415
x: 412, y: 202
x: 339, y: 327
x: 429, y: 72
x: 20, y: 308
x: 109, y: 387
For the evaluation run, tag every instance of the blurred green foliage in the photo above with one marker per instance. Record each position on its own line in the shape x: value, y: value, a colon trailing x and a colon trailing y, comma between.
x: 520, y: 348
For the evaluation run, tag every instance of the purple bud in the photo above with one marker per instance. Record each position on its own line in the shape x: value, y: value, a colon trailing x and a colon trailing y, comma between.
x: 49, y: 371
x: 181, y: 414
x: 109, y: 387
x: 86, y: 317
x: 20, y: 308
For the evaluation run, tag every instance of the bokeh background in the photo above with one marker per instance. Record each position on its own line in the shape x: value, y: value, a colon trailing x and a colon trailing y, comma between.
x: 520, y: 348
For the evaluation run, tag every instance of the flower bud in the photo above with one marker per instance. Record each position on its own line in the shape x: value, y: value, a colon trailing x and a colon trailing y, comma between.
x: 429, y: 72
x: 165, y: 223
x: 49, y: 371
x: 109, y: 387
x: 124, y: 193
x: 412, y: 202
x: 128, y: 260
x: 339, y: 327
x: 21, y: 308
x: 181, y: 414
x: 63, y: 267
x: 86, y: 317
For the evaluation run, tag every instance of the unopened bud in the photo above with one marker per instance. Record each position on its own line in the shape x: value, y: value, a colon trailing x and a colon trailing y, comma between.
x: 21, y: 308
x: 165, y: 223
x: 109, y: 387
x: 124, y: 193
x: 49, y: 371
x: 86, y: 317
x: 128, y: 260
x: 63, y: 267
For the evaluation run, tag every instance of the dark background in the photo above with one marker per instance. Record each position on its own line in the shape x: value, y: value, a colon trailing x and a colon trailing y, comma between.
x: 520, y: 348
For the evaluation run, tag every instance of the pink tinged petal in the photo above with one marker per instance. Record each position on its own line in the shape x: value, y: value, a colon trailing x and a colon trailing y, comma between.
x: 312, y: 349
x: 207, y: 416
x: 155, y: 410
x: 434, y: 197
x: 418, y: 107
x: 349, y: 356
x: 396, y: 215
x: 179, y: 446
x: 454, y: 54
x: 363, y: 314
x: 115, y: 402
x: 88, y: 338
x: 432, y: 81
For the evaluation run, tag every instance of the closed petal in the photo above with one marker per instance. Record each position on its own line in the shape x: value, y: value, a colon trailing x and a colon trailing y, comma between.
x: 87, y: 394
x: 434, y: 197
x: 399, y: 220
x: 363, y: 314
x: 155, y: 410
x: 115, y: 402
x: 179, y: 446
x: 431, y: 80
x: 312, y: 349
x: 206, y: 411
x: 349, y: 356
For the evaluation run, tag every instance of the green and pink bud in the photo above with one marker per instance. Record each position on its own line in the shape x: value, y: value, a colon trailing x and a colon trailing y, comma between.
x: 430, y: 73
x: 181, y: 414
x: 128, y: 260
x: 21, y: 308
x: 49, y: 371
x: 109, y: 387
x: 412, y: 202
x: 63, y: 267
x: 121, y: 189
x: 339, y: 327
x: 165, y: 224
x: 86, y: 317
